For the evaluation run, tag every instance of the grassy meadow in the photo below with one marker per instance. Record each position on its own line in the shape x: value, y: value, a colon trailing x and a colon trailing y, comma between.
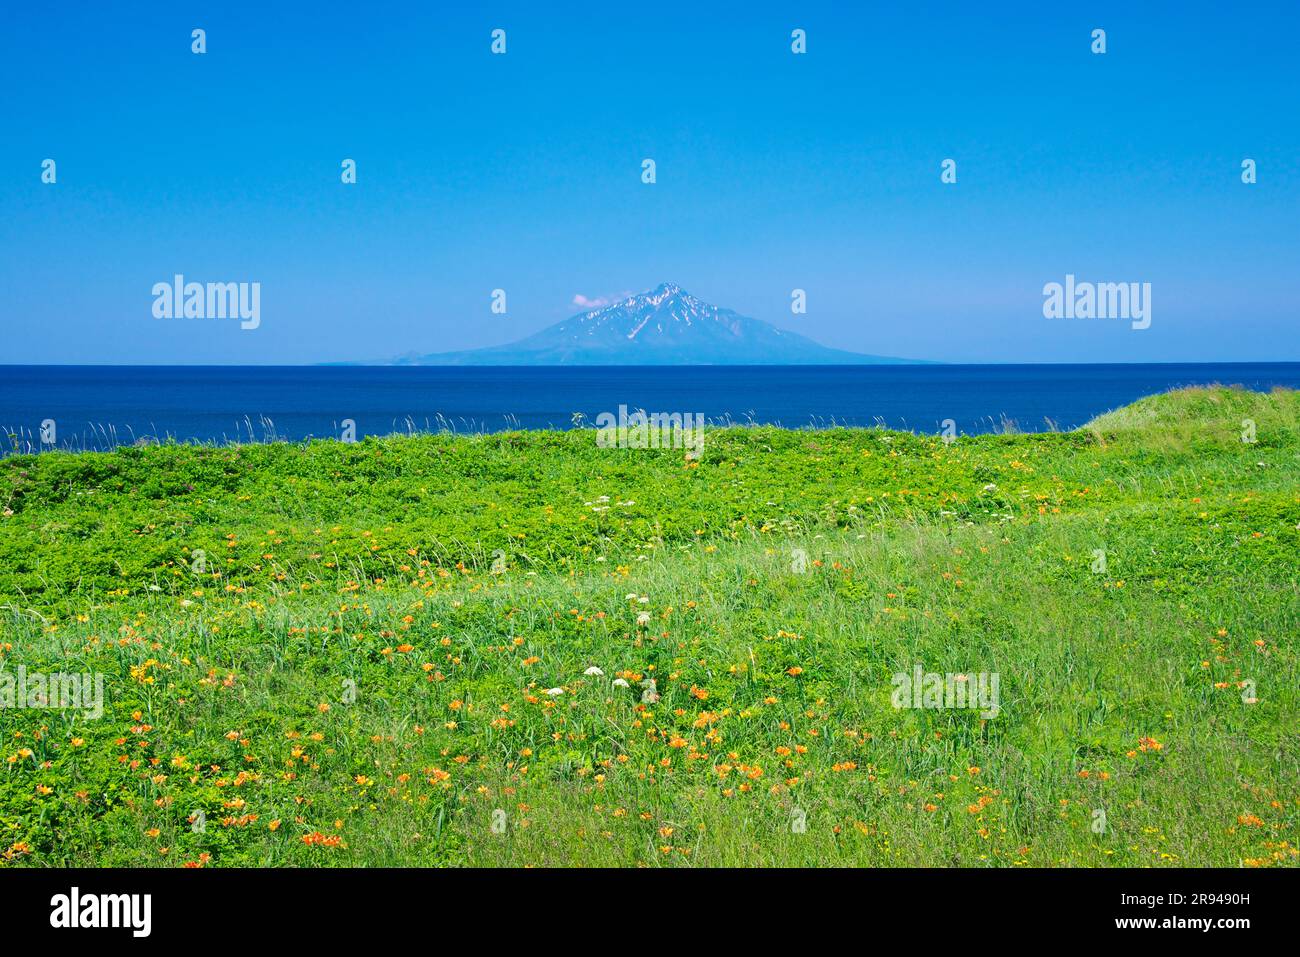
x: 521, y: 649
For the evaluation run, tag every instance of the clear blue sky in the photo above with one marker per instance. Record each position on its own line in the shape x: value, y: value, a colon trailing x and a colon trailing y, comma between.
x: 775, y: 171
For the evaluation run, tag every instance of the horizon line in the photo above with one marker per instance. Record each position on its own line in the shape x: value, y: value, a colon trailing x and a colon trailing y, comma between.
x: 899, y: 364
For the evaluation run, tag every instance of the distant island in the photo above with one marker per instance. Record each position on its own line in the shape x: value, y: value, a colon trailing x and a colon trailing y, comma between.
x: 665, y: 326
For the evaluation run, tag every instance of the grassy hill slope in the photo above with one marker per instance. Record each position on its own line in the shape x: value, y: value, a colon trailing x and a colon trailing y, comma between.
x: 378, y: 653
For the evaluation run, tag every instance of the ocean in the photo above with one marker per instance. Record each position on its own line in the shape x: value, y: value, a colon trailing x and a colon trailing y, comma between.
x: 88, y: 407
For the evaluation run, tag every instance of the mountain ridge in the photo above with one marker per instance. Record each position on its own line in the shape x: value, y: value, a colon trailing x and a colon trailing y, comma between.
x: 662, y: 326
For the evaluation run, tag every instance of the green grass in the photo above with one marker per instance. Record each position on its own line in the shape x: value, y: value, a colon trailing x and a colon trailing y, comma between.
x: 1124, y: 694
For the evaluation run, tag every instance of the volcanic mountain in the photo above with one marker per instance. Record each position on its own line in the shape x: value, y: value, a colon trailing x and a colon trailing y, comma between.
x: 665, y: 326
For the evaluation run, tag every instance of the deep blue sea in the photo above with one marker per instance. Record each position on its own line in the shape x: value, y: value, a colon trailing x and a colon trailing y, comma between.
x: 99, y: 406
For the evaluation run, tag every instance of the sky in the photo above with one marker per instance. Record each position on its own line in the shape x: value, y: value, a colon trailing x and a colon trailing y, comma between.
x: 774, y: 171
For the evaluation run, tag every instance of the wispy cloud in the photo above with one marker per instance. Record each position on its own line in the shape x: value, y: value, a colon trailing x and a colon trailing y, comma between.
x: 597, y: 302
